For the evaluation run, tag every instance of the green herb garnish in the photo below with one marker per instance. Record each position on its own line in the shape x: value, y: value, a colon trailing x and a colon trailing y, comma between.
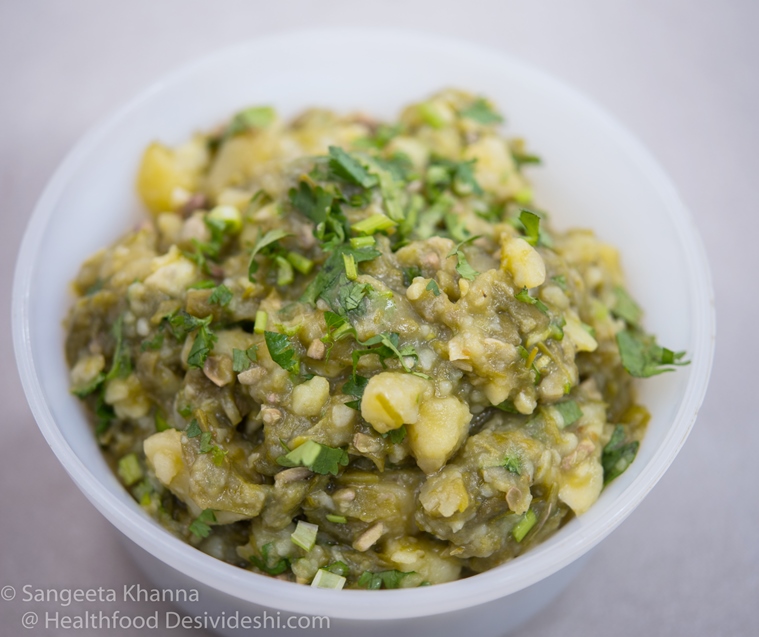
x: 249, y: 119
x: 642, y: 356
x: 263, y: 563
x: 221, y: 296
x: 625, y: 307
x: 462, y: 265
x: 344, y: 166
x: 522, y: 528
x: 315, y: 456
x: 355, y: 386
x: 433, y: 287
x: 513, y: 464
x: 201, y: 347
x: 263, y: 246
x: 200, y: 526
x: 480, y: 111
x: 618, y: 454
x: 242, y: 358
x: 193, y: 429
x: 383, y: 579
x: 282, y: 352
x: 570, y: 412
x: 531, y: 223
x: 524, y: 296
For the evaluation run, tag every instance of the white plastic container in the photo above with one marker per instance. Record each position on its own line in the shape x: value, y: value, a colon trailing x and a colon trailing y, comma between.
x: 594, y: 175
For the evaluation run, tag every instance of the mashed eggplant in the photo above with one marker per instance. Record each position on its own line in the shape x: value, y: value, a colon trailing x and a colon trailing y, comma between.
x: 349, y: 353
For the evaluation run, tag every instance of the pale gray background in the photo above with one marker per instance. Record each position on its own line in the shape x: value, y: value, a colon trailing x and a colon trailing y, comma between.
x: 681, y: 75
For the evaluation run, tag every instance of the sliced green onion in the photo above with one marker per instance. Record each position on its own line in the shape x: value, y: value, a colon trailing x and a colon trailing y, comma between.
x: 524, y: 525
x: 337, y: 519
x: 373, y: 224
x: 229, y: 216
x: 362, y: 242
x: 302, y: 264
x: 262, y: 318
x: 304, y: 535
x: 350, y: 267
x: 129, y: 469
x: 285, y: 274
x: 325, y: 579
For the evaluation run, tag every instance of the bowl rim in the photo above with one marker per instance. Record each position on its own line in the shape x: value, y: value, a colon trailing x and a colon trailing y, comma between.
x: 509, y: 578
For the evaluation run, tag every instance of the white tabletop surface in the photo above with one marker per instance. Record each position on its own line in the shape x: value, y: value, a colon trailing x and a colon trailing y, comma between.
x: 680, y: 74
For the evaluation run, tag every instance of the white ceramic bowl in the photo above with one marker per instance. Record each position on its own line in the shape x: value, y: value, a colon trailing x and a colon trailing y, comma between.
x: 594, y: 175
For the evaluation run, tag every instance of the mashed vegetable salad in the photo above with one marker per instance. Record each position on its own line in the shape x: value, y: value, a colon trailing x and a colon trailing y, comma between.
x: 355, y: 354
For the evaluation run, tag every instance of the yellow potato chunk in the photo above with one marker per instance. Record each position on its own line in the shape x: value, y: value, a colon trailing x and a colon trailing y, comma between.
x: 159, y: 176
x: 523, y: 262
x: 309, y: 397
x: 422, y: 556
x: 582, y: 485
x: 393, y: 399
x: 438, y: 432
x: 164, y: 453
x: 172, y: 273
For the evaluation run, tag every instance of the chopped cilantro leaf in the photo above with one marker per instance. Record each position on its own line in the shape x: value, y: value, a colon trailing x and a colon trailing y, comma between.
x: 570, y: 412
x: 152, y: 343
x: 522, y: 158
x: 397, y: 436
x: 464, y: 182
x: 281, y: 351
x: 193, y: 429
x: 250, y: 118
x: 181, y: 323
x: 507, y: 406
x: 317, y: 457
x: 264, y: 562
x: 346, y: 167
x: 383, y: 579
x: 433, y: 287
x: 338, y: 568
x: 87, y: 388
x: 314, y: 203
x: 462, y: 265
x: 410, y: 273
x: 332, y: 284
x: 386, y: 345
x: 122, y: 362
x: 524, y: 296
x: 531, y: 223
x: 205, y: 284
x: 642, y: 356
x: 480, y: 111
x: 513, y: 464
x: 242, y: 358
x: 618, y: 454
x: 625, y: 307
x: 560, y: 280
x: 221, y: 295
x: 200, y: 526
x: 355, y: 386
x: 103, y: 412
x: 201, y: 347
x: 205, y: 442
x: 264, y: 242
